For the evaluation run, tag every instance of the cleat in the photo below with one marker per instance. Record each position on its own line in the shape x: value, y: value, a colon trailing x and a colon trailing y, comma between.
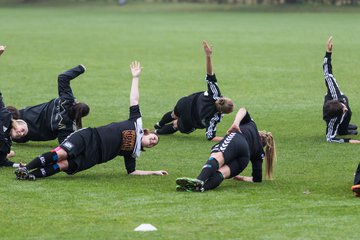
x: 182, y: 189
x: 191, y: 184
x: 17, y: 165
x: 22, y: 173
x: 31, y: 177
x: 352, y: 127
x: 356, y: 190
x: 157, y: 126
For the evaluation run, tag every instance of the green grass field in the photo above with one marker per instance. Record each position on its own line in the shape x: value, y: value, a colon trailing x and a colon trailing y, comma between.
x: 269, y: 62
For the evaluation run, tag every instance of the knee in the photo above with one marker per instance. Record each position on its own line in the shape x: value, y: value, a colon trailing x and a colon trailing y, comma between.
x: 63, y: 165
x: 62, y: 154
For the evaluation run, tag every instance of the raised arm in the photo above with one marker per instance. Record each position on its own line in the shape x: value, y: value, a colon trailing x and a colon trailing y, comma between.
x: 208, y: 52
x: 135, y: 68
x: 330, y: 81
x: 235, y: 127
x: 64, y: 89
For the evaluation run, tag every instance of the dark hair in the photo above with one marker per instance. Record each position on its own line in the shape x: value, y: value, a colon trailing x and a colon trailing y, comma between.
x: 78, y: 111
x: 224, y: 105
x: 332, y: 109
x: 14, y: 112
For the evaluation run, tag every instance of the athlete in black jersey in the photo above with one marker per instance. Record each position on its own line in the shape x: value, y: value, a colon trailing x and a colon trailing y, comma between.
x: 10, y: 129
x: 336, y: 110
x: 57, y: 118
x: 87, y: 147
x: 198, y: 110
x: 231, y: 155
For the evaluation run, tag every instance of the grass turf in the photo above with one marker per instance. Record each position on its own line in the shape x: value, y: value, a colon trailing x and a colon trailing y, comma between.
x: 268, y: 62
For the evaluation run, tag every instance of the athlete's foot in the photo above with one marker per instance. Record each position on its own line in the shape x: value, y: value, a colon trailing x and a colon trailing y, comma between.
x: 190, y: 184
x: 22, y: 173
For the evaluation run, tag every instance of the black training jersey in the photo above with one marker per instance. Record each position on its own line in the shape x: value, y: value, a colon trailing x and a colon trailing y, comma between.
x: 333, y: 93
x: 47, y: 121
x: 123, y: 138
x: 204, y: 112
x: 249, y: 130
x: 5, y: 128
x: 51, y: 120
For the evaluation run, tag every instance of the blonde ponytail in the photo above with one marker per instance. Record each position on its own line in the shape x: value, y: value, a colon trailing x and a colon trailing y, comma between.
x: 270, y: 152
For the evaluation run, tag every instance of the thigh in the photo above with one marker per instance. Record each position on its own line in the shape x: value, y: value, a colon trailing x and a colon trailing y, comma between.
x: 183, y: 126
x: 75, y: 143
x: 233, y: 146
x: 238, y: 165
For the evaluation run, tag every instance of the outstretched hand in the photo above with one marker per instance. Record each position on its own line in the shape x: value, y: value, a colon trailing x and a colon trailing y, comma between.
x: 243, y: 178
x: 207, y: 49
x: 160, y: 173
x: 2, y: 49
x: 135, y: 68
x: 329, y: 44
x: 234, y: 128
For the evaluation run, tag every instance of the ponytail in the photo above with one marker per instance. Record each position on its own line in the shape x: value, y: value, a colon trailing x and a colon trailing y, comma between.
x: 77, y: 112
x: 268, y: 142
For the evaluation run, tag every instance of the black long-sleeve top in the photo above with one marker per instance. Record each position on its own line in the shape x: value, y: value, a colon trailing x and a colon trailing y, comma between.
x: 249, y: 130
x: 5, y: 128
x: 204, y: 112
x: 51, y: 120
x: 333, y: 93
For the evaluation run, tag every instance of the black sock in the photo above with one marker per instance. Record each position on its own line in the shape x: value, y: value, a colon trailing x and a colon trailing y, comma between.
x: 357, y: 176
x: 167, y: 129
x: 167, y: 118
x: 42, y: 160
x: 214, y: 181
x: 46, y: 171
x: 210, y: 167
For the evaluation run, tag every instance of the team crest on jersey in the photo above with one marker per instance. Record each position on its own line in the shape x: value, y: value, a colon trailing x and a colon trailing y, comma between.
x: 128, y: 140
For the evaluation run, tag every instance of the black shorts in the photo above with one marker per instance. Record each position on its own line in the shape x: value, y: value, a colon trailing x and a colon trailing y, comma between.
x: 83, y: 149
x: 183, y: 111
x: 236, y: 152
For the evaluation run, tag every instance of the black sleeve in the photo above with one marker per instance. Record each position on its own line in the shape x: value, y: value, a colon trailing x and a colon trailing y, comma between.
x: 134, y: 112
x: 64, y: 89
x: 2, y: 104
x: 213, y: 88
x: 331, y: 130
x: 257, y: 169
x: 211, y: 126
x: 64, y: 79
x: 130, y: 164
x: 330, y: 82
x: 247, y: 118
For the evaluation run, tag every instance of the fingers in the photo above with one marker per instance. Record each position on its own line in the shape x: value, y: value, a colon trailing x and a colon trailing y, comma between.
x: 330, y: 39
x: 162, y: 172
x: 135, y: 64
